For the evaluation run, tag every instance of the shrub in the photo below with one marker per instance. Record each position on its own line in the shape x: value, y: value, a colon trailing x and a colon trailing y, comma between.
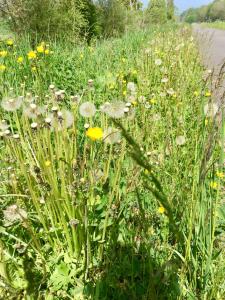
x: 48, y: 18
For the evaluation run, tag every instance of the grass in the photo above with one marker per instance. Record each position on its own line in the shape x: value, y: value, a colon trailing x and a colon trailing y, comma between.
x: 216, y: 25
x: 117, y: 205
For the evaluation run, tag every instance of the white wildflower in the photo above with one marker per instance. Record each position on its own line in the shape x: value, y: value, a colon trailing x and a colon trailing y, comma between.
x: 111, y: 135
x: 12, y: 104
x: 180, y: 140
x: 14, y: 213
x: 211, y: 109
x: 87, y: 109
x: 115, y: 109
x: 158, y: 62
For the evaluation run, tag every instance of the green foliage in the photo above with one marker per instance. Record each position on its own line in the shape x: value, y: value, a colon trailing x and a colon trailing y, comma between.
x: 157, y: 12
x: 112, y: 15
x: 49, y: 18
x: 170, y: 10
x: 212, y: 12
x: 128, y: 220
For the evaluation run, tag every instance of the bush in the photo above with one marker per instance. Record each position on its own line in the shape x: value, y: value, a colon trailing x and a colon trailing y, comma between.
x: 112, y: 15
x: 48, y: 18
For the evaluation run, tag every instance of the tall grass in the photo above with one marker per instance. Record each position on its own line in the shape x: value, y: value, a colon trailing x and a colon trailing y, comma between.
x: 140, y: 217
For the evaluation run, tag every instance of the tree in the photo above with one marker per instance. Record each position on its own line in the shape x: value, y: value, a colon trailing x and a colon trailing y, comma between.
x: 170, y: 10
x: 157, y: 11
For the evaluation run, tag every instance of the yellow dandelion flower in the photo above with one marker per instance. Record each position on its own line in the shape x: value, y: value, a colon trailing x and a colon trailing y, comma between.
x: 219, y: 174
x: 153, y: 101
x: 134, y: 103
x: 214, y: 185
x: 9, y: 42
x: 48, y: 163
x: 32, y: 55
x: 196, y: 93
x: 208, y: 94
x: 161, y: 210
x: 40, y: 49
x: 3, y: 53
x: 2, y: 68
x: 20, y: 59
x: 47, y: 51
x: 94, y: 133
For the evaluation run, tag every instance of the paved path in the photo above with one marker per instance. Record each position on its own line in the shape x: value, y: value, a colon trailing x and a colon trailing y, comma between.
x: 212, y: 49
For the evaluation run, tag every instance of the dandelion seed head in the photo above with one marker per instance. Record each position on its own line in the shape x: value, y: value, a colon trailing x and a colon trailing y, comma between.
x: 115, y: 109
x: 34, y: 125
x: 87, y: 109
x: 14, y: 213
x: 112, y: 135
x: 180, y: 140
x: 131, y: 87
x: 211, y: 109
x: 12, y: 104
x: 3, y: 125
x: 158, y: 62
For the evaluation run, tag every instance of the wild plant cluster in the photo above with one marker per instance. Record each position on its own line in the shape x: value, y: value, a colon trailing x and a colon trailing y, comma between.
x: 112, y: 171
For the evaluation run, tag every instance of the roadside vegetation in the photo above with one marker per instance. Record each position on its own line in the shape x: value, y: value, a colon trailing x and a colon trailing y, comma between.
x: 112, y: 167
x: 212, y: 12
x: 216, y: 25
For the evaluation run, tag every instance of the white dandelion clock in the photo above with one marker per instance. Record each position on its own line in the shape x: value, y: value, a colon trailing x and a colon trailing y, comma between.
x: 180, y: 140
x: 131, y: 87
x: 14, y: 213
x: 111, y: 136
x: 3, y: 125
x: 211, y: 109
x: 158, y: 62
x: 116, y: 109
x: 87, y: 109
x: 33, y: 111
x: 12, y: 104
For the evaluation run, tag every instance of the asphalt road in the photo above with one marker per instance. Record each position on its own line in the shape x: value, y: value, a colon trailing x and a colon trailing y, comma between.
x: 211, y: 44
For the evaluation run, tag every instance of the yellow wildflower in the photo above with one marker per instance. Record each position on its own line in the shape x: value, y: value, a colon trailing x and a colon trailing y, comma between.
x: 214, y: 185
x: 134, y: 103
x: 94, y: 133
x: 20, y: 59
x: 208, y: 94
x: 47, y: 51
x: 161, y: 210
x: 124, y: 93
x: 48, y: 163
x: 3, y: 53
x: 219, y: 174
x: 196, y: 93
x: 9, y: 42
x: 2, y: 68
x: 32, y: 54
x: 152, y: 101
x: 40, y: 49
